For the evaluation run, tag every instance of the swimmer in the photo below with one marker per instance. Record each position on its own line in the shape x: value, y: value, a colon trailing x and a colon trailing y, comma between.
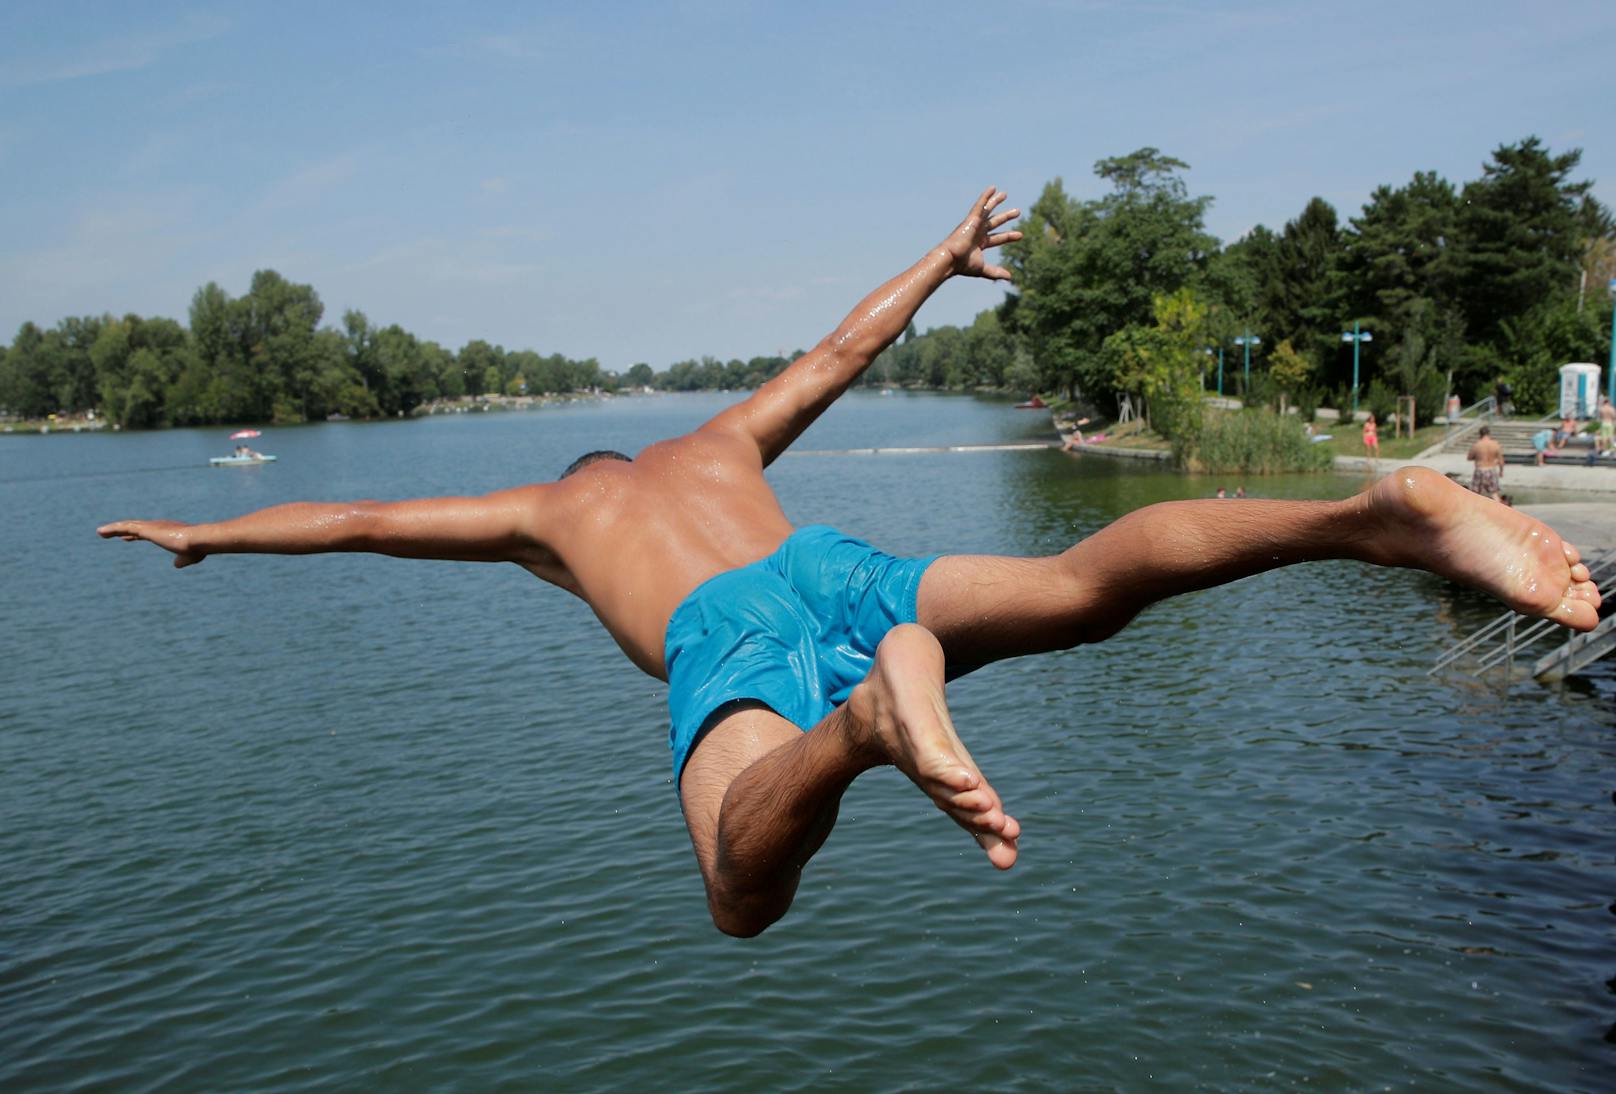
x: 799, y: 658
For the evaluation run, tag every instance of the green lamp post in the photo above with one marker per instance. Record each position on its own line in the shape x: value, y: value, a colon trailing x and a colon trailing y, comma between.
x: 1610, y: 374
x: 1219, y: 351
x: 1357, y: 338
x: 1247, y: 340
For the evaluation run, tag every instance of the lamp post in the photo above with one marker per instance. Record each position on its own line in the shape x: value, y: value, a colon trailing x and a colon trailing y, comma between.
x: 1219, y: 351
x: 1247, y: 340
x: 1357, y: 338
x: 1610, y: 377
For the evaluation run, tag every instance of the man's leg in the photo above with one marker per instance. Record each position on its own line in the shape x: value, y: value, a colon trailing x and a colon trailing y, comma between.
x: 760, y: 796
x: 984, y: 609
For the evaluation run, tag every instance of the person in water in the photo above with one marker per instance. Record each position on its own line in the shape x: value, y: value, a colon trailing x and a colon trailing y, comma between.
x: 799, y: 658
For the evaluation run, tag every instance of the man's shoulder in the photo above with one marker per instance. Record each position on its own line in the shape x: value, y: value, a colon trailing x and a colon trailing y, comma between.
x: 714, y: 444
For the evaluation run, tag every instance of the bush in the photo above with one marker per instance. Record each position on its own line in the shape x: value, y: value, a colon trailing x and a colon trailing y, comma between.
x: 1380, y: 400
x: 1341, y: 400
x: 1307, y: 399
x: 1254, y: 442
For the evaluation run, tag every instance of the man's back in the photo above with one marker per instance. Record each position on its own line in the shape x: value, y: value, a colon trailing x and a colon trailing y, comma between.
x: 1486, y: 453
x: 633, y: 539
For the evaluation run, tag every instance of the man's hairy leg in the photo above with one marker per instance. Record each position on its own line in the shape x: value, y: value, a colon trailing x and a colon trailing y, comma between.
x: 985, y: 608
x: 760, y: 796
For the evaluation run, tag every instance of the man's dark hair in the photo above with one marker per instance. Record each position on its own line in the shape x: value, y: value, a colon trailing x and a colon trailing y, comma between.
x: 594, y: 457
x: 1485, y: 432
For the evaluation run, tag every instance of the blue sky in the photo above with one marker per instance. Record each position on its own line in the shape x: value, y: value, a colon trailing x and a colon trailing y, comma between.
x: 650, y: 182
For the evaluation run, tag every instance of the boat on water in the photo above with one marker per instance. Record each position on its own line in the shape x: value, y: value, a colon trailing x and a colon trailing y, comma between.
x: 243, y: 456
x: 1035, y: 403
x: 239, y: 461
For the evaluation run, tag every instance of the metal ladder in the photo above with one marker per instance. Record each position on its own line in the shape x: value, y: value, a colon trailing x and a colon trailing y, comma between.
x: 1512, y: 636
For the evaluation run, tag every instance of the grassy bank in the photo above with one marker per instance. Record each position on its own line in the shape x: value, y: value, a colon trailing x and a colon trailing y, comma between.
x: 1349, y: 441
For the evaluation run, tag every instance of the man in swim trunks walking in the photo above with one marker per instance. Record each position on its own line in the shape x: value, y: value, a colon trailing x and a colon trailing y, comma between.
x: 1488, y: 456
x: 798, y: 659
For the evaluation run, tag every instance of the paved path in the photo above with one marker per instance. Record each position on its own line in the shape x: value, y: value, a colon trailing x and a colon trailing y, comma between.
x: 1581, y: 479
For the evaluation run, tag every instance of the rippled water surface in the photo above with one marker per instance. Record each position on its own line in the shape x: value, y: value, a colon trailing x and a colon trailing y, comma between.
x: 279, y: 823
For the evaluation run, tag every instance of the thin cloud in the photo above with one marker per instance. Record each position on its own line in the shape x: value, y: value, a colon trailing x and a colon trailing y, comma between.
x: 770, y: 294
x: 515, y: 47
x: 124, y: 53
x: 120, y: 256
x: 447, y: 259
x: 310, y: 183
x: 517, y: 233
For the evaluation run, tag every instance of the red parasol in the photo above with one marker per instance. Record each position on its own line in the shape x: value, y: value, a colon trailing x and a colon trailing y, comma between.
x: 243, y: 434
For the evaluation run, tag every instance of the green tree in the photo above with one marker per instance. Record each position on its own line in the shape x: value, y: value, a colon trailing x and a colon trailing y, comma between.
x: 1290, y: 369
x: 1536, y: 344
x: 1522, y: 230
x: 1398, y: 273
x: 1085, y: 270
x: 482, y: 363
x: 137, y: 364
x: 989, y: 350
x: 1163, y: 363
x: 406, y: 371
x: 1285, y: 279
x: 25, y: 383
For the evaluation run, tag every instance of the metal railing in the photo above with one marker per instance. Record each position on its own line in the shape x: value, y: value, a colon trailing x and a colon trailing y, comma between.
x: 1471, y: 418
x: 1512, y: 634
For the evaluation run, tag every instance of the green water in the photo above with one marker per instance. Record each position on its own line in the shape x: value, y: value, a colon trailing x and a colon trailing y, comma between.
x: 344, y: 822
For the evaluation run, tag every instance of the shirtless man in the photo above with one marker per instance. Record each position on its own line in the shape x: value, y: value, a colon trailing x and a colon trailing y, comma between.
x: 1607, y: 425
x: 1488, y: 456
x: 798, y: 659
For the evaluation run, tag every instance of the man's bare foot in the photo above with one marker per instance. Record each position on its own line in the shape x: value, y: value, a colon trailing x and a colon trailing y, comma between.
x: 899, y: 715
x: 1426, y: 521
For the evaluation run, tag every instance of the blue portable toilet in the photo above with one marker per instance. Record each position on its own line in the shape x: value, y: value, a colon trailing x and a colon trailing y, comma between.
x: 1579, y: 390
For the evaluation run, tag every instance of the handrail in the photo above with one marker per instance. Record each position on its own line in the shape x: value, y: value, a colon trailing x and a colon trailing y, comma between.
x: 1482, y: 410
x: 1506, y: 628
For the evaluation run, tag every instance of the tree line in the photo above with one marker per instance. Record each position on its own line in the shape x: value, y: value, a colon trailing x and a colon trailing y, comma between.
x: 262, y: 357
x: 1501, y: 279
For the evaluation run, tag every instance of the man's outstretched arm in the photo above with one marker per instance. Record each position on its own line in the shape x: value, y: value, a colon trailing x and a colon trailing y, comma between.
x: 778, y: 412
x: 493, y: 528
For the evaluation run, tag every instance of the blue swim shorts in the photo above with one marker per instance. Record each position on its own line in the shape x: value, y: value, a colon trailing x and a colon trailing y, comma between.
x: 794, y: 631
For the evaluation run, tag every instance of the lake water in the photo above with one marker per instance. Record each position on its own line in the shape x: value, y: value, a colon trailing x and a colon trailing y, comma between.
x: 363, y: 823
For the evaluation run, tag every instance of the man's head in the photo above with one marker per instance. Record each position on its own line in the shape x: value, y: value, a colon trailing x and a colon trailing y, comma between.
x: 1486, y: 431
x: 593, y: 457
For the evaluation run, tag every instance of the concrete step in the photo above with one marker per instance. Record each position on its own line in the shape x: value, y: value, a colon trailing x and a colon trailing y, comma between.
x: 1512, y: 435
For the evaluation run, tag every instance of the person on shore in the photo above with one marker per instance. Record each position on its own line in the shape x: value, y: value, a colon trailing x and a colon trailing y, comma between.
x: 1371, y: 438
x: 1488, y: 456
x: 1567, y: 430
x: 799, y: 658
x: 1541, y: 440
x: 1607, y: 425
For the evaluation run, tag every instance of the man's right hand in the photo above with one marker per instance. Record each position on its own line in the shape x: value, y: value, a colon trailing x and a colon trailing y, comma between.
x: 979, y: 232
x: 171, y: 535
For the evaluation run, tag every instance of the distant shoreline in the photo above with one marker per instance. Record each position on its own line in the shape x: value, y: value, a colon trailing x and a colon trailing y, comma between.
x: 464, y: 405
